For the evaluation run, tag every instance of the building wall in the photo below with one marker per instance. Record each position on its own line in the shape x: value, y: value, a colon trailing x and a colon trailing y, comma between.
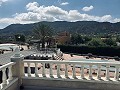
x: 63, y: 38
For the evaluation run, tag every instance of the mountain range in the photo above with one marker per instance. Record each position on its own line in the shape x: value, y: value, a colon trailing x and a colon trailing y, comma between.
x: 84, y: 27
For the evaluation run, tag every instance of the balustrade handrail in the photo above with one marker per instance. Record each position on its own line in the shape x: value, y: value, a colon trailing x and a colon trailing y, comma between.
x: 116, y: 63
x: 6, y: 65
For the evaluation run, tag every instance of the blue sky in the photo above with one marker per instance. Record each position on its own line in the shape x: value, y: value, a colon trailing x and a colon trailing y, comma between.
x: 31, y: 11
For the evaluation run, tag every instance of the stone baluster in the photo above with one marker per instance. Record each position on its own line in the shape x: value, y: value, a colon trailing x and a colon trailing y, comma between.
x: 82, y: 71
x: 0, y: 87
x: 51, y: 72
x: 74, y: 72
x: 116, y: 77
x: 66, y: 71
x: 4, y: 78
x: 36, y: 69
x: 43, y: 70
x: 29, y: 69
x: 107, y: 72
x: 99, y: 72
x: 10, y: 73
x: 58, y: 70
x: 90, y: 71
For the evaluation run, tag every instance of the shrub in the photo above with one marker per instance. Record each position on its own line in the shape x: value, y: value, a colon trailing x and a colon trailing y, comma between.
x: 102, y: 51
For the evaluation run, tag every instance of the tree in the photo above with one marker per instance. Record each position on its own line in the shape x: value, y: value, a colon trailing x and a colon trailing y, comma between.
x: 20, y: 38
x: 77, y: 39
x: 110, y: 42
x: 96, y: 42
x: 41, y: 32
x: 87, y: 39
x: 118, y: 38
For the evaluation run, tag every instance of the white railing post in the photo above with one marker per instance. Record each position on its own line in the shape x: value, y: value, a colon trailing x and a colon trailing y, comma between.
x: 58, y: 70
x: 29, y: 69
x: 82, y: 71
x: 36, y: 69
x: 107, y: 72
x: 4, y: 78
x: 74, y: 73
x: 90, y: 72
x: 10, y: 73
x: 116, y: 76
x: 18, y: 68
x: 51, y: 72
x: 66, y: 71
x: 99, y: 72
x: 43, y: 70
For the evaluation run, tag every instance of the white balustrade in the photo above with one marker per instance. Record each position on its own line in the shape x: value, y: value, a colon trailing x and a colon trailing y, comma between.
x: 109, y: 67
x: 5, y: 73
x: 97, y: 66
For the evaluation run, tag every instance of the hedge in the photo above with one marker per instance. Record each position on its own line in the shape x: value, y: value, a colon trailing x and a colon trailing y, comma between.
x: 100, y: 51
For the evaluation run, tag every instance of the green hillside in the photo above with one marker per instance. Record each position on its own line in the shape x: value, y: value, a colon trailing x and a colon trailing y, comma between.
x: 85, y: 27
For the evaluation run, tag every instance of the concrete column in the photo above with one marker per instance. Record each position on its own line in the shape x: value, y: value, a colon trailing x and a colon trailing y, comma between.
x: 18, y: 68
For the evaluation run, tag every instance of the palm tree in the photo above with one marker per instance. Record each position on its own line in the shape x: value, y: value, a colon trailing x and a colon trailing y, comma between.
x: 41, y: 32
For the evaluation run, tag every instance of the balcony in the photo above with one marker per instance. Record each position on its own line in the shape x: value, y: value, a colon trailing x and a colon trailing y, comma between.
x: 59, y: 75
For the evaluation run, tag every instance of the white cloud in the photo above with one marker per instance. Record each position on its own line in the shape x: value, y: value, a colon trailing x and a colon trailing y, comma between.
x: 36, y: 13
x: 2, y: 1
x: 32, y: 6
x: 116, y: 20
x: 64, y: 3
x: 87, y: 8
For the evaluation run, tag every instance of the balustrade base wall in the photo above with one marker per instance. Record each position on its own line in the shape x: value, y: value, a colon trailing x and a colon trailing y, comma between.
x: 84, y: 84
